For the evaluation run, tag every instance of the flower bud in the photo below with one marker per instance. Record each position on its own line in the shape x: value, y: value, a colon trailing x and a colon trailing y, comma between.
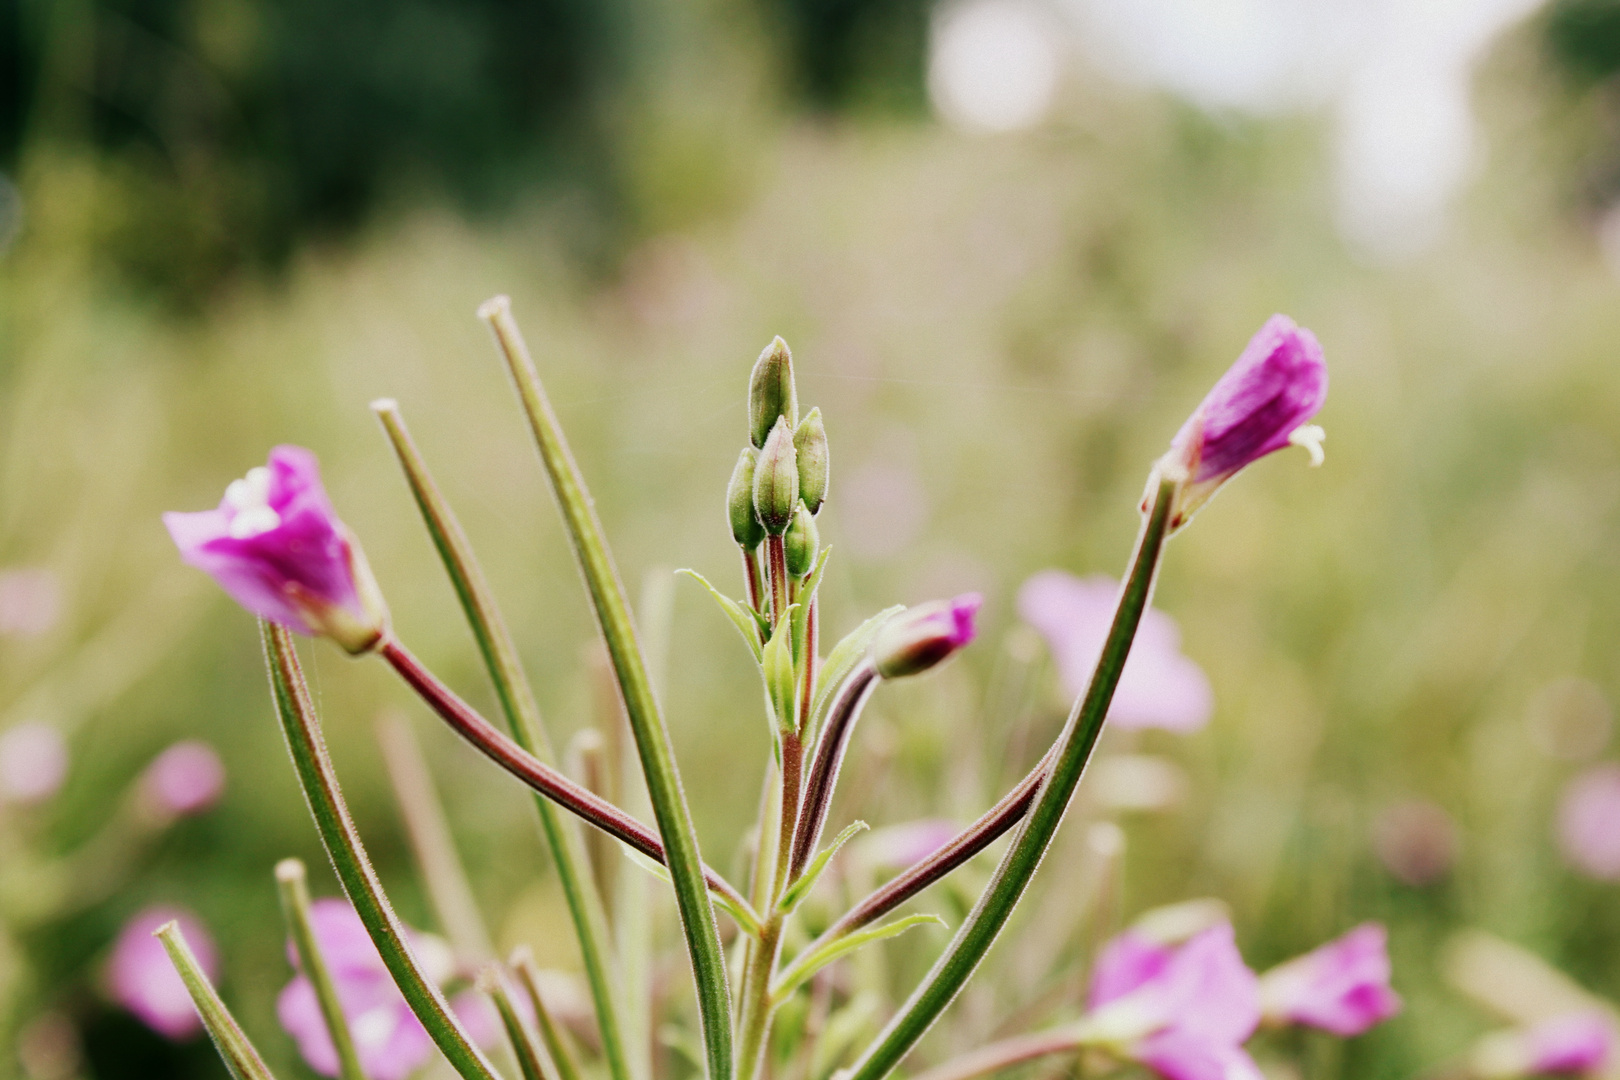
x: 810, y: 440
x: 921, y: 637
x: 801, y: 542
x: 770, y: 392
x: 277, y: 547
x: 776, y: 480
x: 1259, y: 406
x: 745, y: 526
x: 1342, y: 987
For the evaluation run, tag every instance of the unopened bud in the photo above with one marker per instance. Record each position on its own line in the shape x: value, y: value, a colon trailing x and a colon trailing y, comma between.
x: 801, y: 542
x: 745, y: 526
x: 770, y: 392
x: 921, y: 637
x: 810, y: 440
x: 776, y: 480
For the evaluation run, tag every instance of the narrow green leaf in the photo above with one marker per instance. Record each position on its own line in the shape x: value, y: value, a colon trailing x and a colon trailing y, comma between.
x: 781, y: 677
x: 800, y: 889
x: 804, y: 967
x: 746, y: 622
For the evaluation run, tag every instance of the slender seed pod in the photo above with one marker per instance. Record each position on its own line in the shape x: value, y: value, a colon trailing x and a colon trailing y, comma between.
x: 776, y: 480
x: 771, y: 393
x: 745, y: 526
x: 810, y: 440
x: 801, y: 542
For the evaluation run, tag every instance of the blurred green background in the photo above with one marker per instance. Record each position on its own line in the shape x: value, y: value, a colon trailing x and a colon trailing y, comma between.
x: 229, y: 224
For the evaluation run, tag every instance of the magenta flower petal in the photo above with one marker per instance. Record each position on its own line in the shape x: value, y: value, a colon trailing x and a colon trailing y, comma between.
x: 1580, y: 1042
x: 1342, y: 987
x: 142, y: 979
x: 924, y: 636
x: 1159, y: 687
x: 1125, y: 963
x: 1179, y: 1055
x: 1586, y: 822
x: 276, y: 546
x: 1262, y: 404
x: 33, y: 763
x: 187, y: 778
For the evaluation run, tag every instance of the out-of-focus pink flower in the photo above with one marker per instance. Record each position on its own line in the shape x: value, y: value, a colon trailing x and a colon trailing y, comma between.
x: 389, y: 1039
x: 33, y: 763
x: 143, y: 980
x: 1568, y: 1045
x: 1261, y: 404
x: 1416, y: 841
x: 923, y: 636
x: 187, y: 778
x: 1587, y: 817
x: 899, y: 846
x: 1159, y: 686
x: 277, y: 547
x: 30, y: 601
x: 1342, y: 987
x: 1184, y: 1012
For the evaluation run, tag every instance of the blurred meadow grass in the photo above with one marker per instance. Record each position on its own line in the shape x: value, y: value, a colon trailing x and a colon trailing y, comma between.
x: 1003, y: 332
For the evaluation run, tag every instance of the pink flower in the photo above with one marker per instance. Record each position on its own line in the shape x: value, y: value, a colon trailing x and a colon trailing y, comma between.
x: 1587, y: 817
x: 1566, y: 1045
x: 144, y: 981
x: 899, y: 846
x: 187, y: 778
x: 276, y: 546
x: 33, y: 763
x: 30, y: 601
x: 389, y: 1039
x: 1259, y: 406
x: 1159, y: 686
x: 921, y: 637
x: 1342, y: 987
x: 1184, y: 1012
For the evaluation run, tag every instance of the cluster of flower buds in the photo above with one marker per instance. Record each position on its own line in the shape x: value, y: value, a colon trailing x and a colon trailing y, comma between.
x: 780, y: 482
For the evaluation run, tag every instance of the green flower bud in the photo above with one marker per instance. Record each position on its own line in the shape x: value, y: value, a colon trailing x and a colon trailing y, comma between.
x: 770, y: 392
x: 776, y: 480
x: 810, y: 440
x: 801, y: 542
x: 745, y: 526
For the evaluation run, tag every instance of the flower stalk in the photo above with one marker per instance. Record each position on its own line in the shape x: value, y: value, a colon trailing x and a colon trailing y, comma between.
x: 663, y: 780
x: 341, y: 838
x: 522, y: 711
x: 229, y: 1039
x: 1023, y: 857
x: 293, y: 883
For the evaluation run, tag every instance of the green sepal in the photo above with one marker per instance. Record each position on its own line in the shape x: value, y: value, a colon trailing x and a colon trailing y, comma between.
x: 746, y: 622
x: 844, y: 658
x: 804, y: 967
x: 795, y: 893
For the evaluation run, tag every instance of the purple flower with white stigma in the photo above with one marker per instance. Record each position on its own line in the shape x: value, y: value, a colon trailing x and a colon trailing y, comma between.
x: 1342, y: 987
x: 923, y: 636
x: 1572, y: 1044
x: 142, y: 979
x: 1586, y: 822
x: 277, y: 547
x: 388, y: 1037
x: 1159, y: 686
x: 33, y: 763
x: 1184, y: 1012
x: 1263, y: 403
x: 187, y: 778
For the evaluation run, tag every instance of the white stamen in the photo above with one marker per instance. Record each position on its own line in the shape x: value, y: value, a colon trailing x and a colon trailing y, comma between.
x: 374, y: 1027
x: 1310, y: 437
x: 250, y: 491
x: 253, y: 521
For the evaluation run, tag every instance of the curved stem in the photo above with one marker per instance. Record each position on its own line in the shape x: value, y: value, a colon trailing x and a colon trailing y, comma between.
x: 505, y: 752
x: 675, y: 827
x: 1023, y: 857
x: 585, y: 905
x: 989, y: 828
x: 316, y: 775
x: 1005, y: 1054
x: 830, y: 747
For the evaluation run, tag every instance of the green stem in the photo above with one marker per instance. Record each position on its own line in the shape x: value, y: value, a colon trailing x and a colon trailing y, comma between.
x: 230, y: 1040
x: 294, y: 887
x: 528, y: 728
x: 652, y: 739
x: 562, y: 1056
x: 533, y: 1061
x: 341, y: 839
x: 1006, y: 1053
x: 1018, y: 865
